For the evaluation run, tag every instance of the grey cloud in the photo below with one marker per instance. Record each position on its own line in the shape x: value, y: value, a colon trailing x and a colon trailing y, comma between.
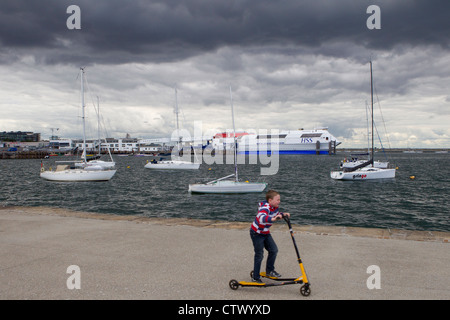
x: 291, y: 63
x: 117, y: 31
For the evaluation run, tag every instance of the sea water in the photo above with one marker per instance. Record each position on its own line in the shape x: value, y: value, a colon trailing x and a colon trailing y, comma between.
x: 307, y: 192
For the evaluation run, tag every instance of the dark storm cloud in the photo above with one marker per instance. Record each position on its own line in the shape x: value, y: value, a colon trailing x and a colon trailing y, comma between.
x: 117, y: 31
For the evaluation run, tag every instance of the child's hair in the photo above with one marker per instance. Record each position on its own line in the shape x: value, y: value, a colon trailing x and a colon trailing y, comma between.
x: 271, y: 194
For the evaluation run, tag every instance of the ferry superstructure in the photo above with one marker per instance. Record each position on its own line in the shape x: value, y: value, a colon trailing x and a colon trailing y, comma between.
x: 315, y: 141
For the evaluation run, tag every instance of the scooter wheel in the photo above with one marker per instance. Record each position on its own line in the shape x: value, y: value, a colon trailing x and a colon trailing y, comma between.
x: 251, y: 274
x: 305, y: 290
x: 234, y: 285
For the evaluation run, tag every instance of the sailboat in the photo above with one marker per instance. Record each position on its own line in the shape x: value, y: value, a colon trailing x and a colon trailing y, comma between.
x: 64, y: 172
x: 174, y: 163
x: 366, y: 170
x: 222, y: 185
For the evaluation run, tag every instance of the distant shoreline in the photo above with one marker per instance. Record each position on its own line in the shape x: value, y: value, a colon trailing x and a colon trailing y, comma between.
x: 45, y: 154
x: 396, y: 150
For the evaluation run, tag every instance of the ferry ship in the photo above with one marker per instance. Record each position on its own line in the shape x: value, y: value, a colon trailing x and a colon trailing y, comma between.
x: 316, y: 141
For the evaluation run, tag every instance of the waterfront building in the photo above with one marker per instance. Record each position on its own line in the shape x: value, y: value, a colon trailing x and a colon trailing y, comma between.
x: 22, y: 136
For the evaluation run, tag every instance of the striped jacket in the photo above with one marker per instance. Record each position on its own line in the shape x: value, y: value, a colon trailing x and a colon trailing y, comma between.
x: 263, y: 220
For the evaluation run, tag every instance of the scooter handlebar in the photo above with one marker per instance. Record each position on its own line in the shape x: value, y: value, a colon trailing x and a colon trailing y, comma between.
x: 288, y: 221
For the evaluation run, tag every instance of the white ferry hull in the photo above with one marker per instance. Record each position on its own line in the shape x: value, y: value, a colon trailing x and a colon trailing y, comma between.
x: 317, y: 141
x: 287, y: 149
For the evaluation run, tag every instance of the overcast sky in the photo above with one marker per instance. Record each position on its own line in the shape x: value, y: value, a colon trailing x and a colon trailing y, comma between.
x: 291, y: 64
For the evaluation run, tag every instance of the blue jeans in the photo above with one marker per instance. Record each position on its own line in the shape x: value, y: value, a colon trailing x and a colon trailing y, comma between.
x: 261, y: 241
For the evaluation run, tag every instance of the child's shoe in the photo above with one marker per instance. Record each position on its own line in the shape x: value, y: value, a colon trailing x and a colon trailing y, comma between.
x: 274, y: 274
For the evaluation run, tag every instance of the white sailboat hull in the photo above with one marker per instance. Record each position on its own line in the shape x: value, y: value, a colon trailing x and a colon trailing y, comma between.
x: 227, y: 186
x: 78, y: 175
x: 173, y: 165
x: 368, y: 173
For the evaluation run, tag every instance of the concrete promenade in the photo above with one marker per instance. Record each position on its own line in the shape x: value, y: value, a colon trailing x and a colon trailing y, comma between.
x: 132, y: 257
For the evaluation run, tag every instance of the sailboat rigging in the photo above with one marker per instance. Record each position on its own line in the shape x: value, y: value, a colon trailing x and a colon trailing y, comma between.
x: 355, y: 161
x: 222, y: 185
x: 96, y: 160
x: 175, y: 163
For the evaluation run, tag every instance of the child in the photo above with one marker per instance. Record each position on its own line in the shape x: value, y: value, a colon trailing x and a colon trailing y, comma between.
x: 261, y: 237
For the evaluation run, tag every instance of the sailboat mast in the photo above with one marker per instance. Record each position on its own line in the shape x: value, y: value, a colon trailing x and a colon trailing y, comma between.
x: 234, y: 139
x: 368, y: 130
x: 178, y: 128
x: 98, y: 126
x: 83, y: 115
x: 371, y: 97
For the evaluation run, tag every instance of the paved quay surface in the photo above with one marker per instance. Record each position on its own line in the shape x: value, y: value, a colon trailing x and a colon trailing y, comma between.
x: 132, y: 257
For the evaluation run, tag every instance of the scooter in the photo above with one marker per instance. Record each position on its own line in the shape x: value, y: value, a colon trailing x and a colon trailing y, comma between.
x: 305, y: 290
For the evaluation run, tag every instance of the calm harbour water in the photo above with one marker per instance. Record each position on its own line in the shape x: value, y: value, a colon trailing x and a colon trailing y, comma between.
x: 307, y: 191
